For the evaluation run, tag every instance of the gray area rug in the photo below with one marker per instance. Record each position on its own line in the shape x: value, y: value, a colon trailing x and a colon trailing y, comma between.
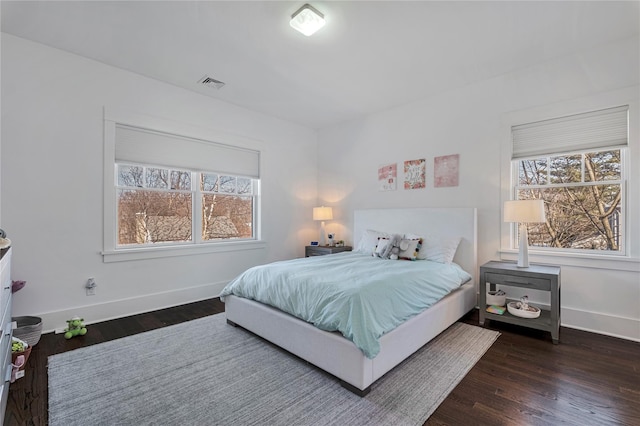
x: 205, y: 372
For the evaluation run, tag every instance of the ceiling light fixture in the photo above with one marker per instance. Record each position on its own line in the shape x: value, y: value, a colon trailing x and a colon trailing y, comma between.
x: 307, y: 20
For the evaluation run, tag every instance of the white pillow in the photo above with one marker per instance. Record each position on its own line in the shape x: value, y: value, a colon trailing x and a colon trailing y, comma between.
x: 437, y: 249
x: 382, y: 248
x: 369, y: 241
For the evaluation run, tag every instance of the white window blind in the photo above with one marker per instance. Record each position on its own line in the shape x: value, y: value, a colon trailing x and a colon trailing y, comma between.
x: 144, y: 146
x: 597, y: 129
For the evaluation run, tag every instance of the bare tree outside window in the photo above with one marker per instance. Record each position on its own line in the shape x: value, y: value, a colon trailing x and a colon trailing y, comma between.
x: 156, y: 205
x: 582, y: 193
x: 227, y: 207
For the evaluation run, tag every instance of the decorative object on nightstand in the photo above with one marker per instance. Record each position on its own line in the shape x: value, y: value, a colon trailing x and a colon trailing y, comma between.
x: 536, y: 277
x: 522, y: 308
x: 322, y: 250
x: 494, y: 309
x: 498, y: 298
x: 523, y: 212
x: 322, y: 213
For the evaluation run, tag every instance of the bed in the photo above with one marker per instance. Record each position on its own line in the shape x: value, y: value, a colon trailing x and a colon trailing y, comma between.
x: 330, y: 350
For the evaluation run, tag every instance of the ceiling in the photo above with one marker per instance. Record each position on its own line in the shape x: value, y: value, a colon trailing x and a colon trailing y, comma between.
x: 370, y: 56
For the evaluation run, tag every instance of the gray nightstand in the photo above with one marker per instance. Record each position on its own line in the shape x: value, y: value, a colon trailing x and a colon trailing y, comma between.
x: 536, y: 277
x: 322, y: 250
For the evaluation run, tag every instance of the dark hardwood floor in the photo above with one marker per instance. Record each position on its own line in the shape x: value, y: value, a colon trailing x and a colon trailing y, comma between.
x: 523, y: 379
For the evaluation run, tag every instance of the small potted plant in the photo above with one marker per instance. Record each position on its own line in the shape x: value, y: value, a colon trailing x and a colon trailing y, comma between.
x: 20, y: 352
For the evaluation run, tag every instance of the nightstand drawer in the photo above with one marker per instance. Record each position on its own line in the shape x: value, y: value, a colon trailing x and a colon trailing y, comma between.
x: 322, y: 250
x: 519, y: 281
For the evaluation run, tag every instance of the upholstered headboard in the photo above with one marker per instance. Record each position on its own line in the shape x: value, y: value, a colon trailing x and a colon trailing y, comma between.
x: 434, y: 222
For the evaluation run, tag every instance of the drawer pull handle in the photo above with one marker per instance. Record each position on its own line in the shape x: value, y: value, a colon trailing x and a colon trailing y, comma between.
x: 516, y: 283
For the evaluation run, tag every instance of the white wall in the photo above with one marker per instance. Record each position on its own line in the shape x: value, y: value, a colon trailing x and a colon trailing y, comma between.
x: 0, y: 114
x: 469, y: 121
x: 52, y: 180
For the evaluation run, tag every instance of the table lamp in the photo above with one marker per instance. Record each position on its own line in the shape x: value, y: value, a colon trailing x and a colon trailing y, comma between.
x: 523, y: 212
x: 322, y: 213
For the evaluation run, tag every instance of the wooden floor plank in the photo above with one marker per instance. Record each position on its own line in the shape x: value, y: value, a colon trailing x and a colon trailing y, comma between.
x: 523, y: 379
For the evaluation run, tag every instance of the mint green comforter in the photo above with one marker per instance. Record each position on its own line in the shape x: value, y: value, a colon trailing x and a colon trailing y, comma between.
x: 361, y: 296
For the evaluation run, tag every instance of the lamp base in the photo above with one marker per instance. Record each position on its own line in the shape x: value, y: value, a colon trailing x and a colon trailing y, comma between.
x: 322, y: 239
x: 523, y: 247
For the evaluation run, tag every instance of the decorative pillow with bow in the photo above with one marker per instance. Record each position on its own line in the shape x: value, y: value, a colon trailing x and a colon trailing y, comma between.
x: 410, y: 249
x: 388, y: 247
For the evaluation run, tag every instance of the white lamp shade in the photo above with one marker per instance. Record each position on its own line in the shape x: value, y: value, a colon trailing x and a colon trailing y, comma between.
x: 322, y: 213
x: 307, y: 20
x: 524, y: 211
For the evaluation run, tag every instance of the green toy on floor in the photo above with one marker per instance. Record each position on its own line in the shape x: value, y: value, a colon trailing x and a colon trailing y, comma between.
x: 75, y: 327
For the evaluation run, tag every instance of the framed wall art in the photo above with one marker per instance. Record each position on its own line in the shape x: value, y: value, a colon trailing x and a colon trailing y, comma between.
x: 446, y: 170
x: 414, y: 174
x: 387, y: 177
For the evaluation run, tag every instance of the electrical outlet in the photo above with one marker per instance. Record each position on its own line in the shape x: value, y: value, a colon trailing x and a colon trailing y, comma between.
x: 91, y: 287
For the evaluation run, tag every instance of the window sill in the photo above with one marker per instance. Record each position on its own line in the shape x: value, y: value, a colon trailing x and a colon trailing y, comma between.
x: 123, y: 255
x: 611, y: 262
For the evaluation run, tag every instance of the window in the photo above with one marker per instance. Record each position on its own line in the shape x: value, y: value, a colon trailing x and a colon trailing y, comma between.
x: 156, y: 205
x: 167, y: 194
x: 576, y: 165
x: 227, y: 206
x: 582, y: 194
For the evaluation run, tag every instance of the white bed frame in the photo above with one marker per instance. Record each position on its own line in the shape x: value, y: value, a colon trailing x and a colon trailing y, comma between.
x: 340, y: 357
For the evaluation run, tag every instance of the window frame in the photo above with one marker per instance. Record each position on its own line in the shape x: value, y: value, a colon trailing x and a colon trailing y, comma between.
x: 515, y: 186
x: 111, y: 251
x: 630, y: 260
x: 196, y: 193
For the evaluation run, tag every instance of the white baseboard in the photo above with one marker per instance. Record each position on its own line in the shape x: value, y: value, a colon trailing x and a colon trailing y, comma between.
x: 57, y: 320
x: 597, y: 322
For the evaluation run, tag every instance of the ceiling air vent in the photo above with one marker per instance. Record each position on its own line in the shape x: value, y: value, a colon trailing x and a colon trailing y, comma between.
x: 211, y: 82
